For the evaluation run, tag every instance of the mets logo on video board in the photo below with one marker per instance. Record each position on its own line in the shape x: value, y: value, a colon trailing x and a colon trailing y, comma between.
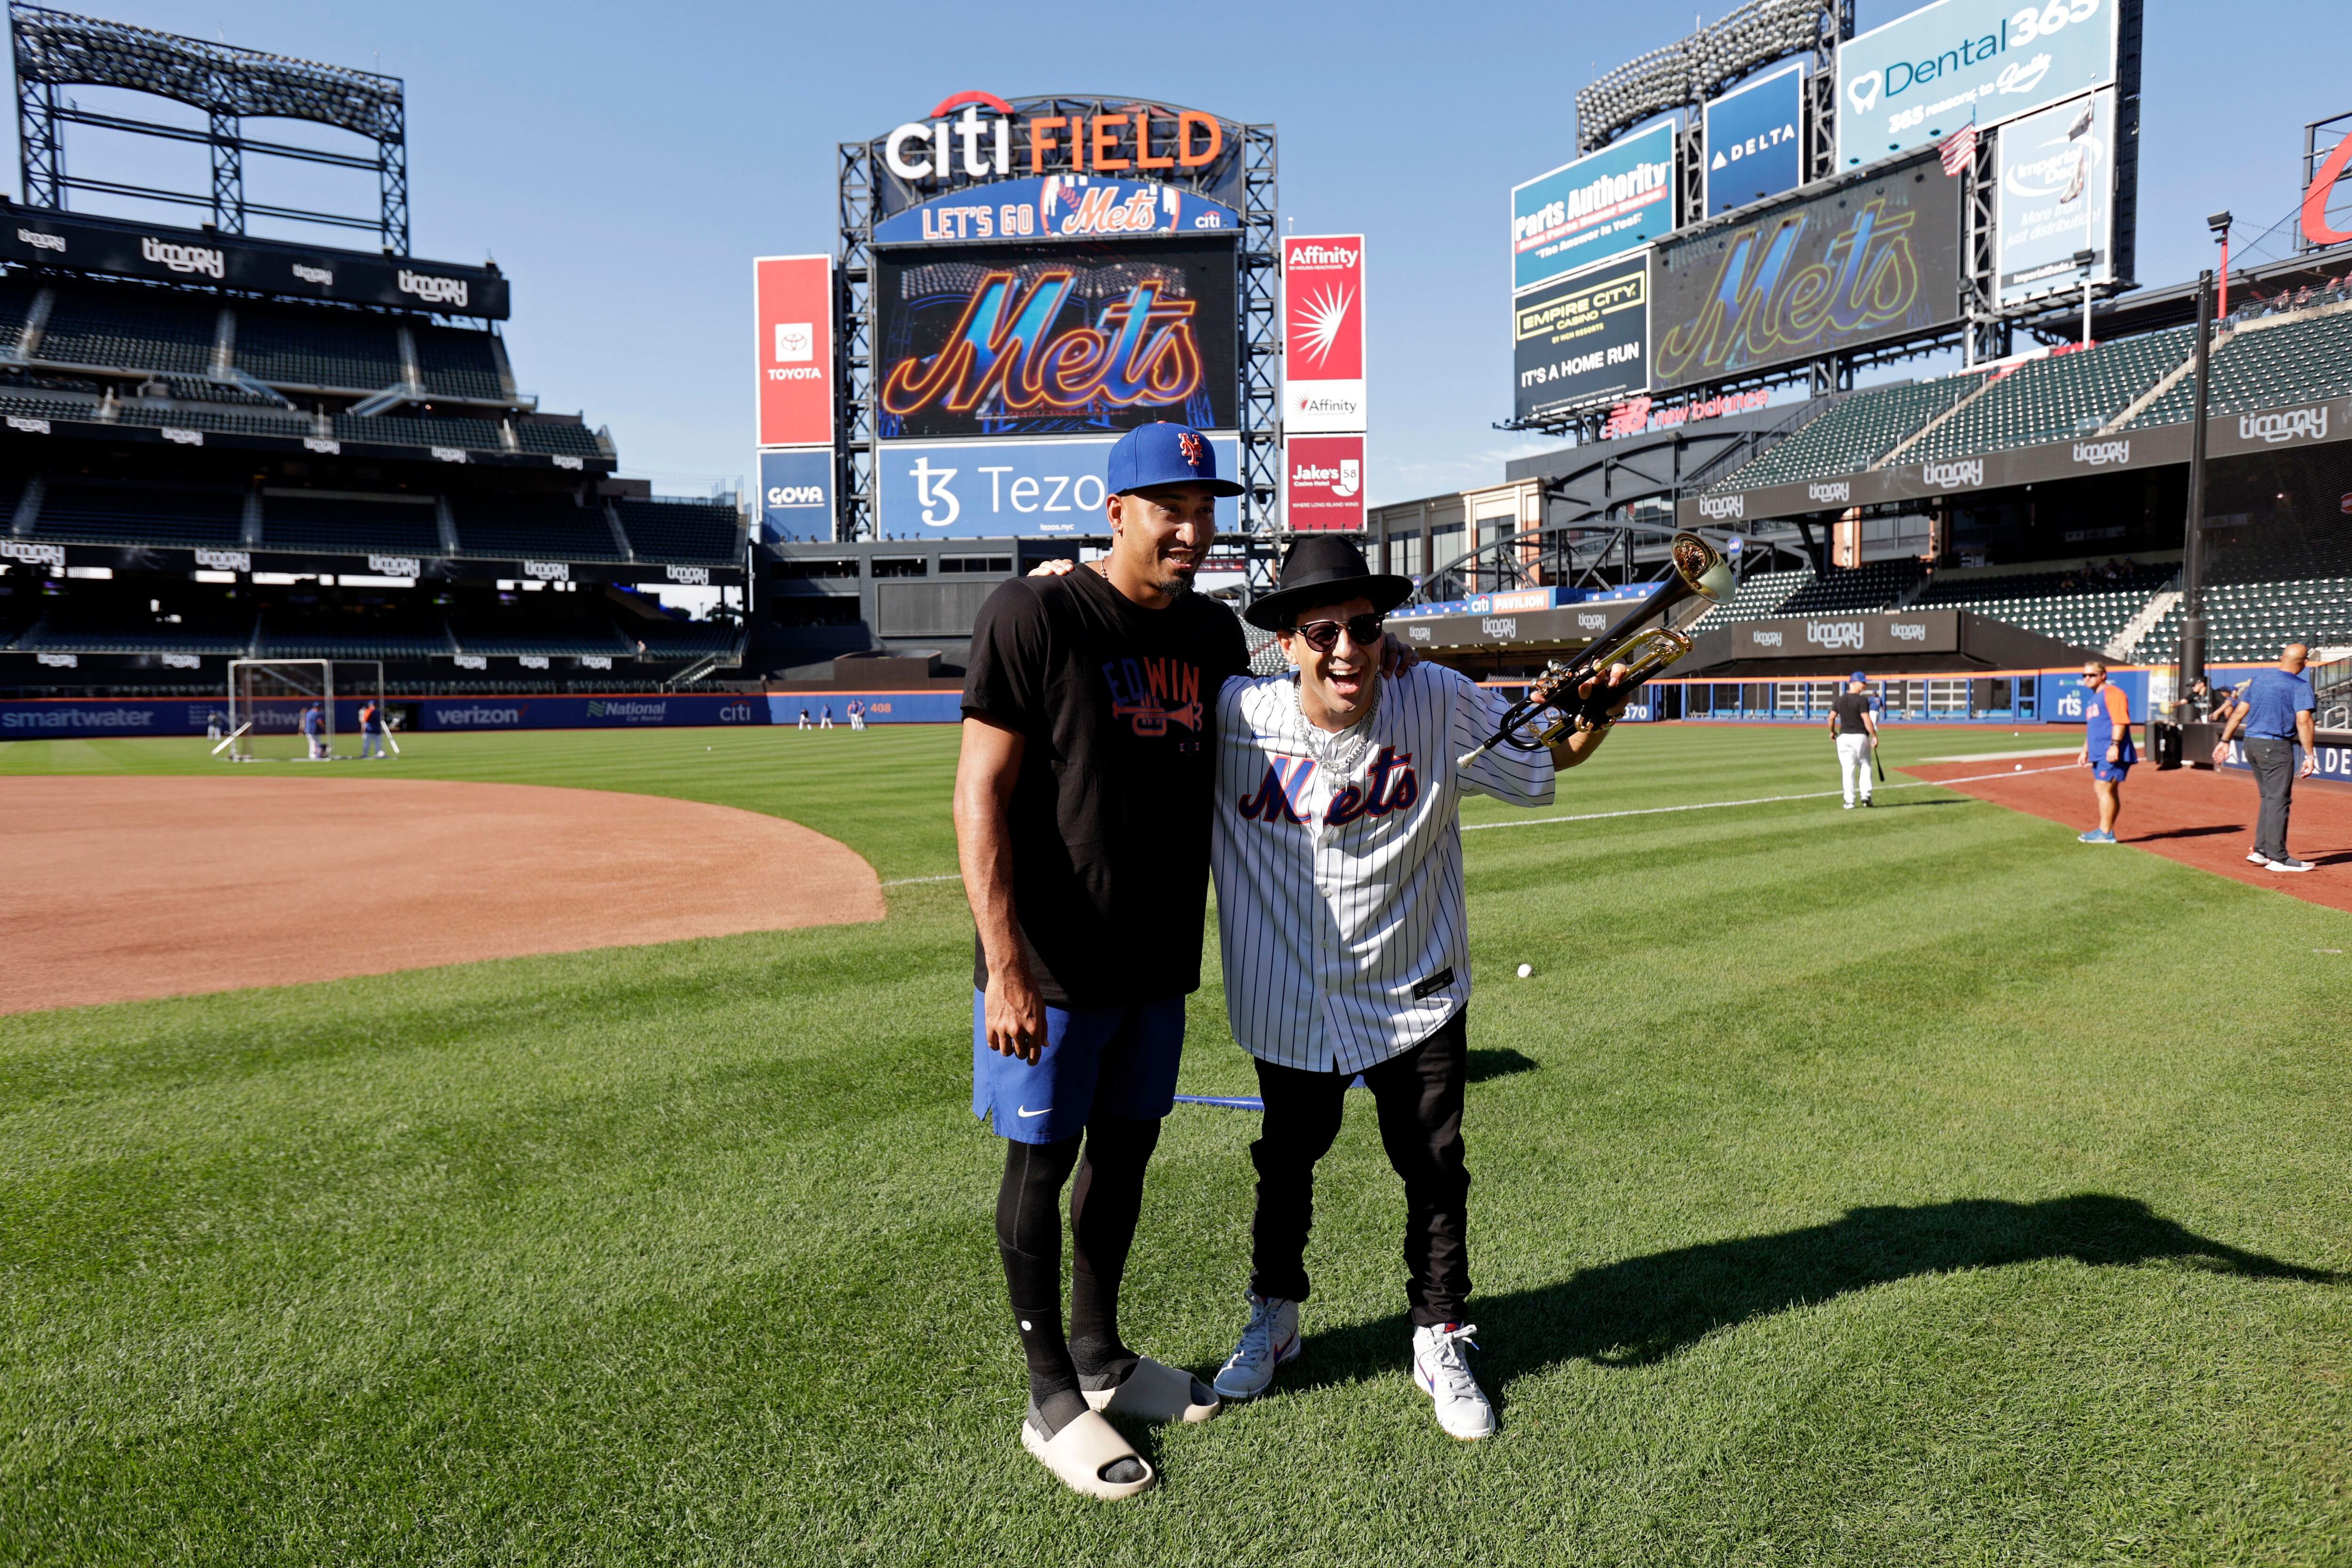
x: 1152, y: 693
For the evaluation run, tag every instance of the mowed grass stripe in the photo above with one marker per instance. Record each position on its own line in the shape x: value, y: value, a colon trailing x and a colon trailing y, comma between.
x: 1849, y: 1188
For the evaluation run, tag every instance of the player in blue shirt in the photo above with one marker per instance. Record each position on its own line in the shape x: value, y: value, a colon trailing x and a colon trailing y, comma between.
x: 2106, y: 748
x: 314, y: 727
x: 2275, y: 711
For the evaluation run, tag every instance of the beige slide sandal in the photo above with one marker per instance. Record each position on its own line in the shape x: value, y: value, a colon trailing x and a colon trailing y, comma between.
x: 1155, y: 1391
x: 1080, y: 1452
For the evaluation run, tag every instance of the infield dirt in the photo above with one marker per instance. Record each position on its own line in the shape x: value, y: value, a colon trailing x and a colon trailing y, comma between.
x: 124, y: 888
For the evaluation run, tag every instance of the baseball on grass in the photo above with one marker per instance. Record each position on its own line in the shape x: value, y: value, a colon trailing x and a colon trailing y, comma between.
x: 1526, y: 970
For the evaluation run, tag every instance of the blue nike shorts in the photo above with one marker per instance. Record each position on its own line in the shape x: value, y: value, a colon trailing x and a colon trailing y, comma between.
x: 2111, y: 773
x: 1121, y: 1060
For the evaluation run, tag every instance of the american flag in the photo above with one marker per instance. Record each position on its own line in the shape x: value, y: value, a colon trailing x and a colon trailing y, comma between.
x: 1959, y: 149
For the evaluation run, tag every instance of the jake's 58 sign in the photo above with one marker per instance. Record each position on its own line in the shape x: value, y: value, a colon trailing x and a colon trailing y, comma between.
x: 1323, y: 483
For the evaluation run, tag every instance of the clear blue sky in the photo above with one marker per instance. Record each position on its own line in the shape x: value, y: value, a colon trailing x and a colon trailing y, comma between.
x: 624, y: 164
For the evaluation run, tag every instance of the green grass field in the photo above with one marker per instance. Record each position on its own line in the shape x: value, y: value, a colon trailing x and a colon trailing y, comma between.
x: 1902, y: 1187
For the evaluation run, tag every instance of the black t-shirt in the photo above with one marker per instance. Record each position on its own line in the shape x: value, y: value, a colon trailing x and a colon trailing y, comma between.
x: 1849, y: 707
x: 1110, y: 818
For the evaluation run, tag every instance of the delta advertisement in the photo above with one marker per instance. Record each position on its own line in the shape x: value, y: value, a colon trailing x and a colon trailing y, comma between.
x: 796, y: 494
x: 793, y: 336
x: 2056, y: 199
x: 1600, y: 206
x: 1323, y: 333
x: 1583, y: 340
x: 1755, y: 145
x: 1049, y: 340
x: 1003, y: 490
x: 1922, y: 76
x: 1323, y: 484
x: 1876, y: 260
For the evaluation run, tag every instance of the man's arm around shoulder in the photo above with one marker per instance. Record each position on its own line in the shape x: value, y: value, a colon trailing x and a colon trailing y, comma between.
x: 986, y: 771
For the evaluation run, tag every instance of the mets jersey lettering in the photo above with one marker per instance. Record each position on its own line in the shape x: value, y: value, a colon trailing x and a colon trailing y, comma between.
x: 1339, y: 902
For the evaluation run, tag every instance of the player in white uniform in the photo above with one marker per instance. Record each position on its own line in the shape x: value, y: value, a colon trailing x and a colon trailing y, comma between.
x: 1337, y: 855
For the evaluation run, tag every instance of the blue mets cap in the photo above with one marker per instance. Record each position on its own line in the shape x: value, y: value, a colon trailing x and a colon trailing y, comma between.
x: 1165, y: 454
x: 1858, y: 675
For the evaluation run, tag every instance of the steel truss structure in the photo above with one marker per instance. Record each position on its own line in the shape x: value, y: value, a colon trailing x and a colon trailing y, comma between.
x: 55, y: 49
x: 868, y: 193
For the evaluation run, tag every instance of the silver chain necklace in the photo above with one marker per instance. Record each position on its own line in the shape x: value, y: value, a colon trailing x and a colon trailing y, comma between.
x: 1338, y: 756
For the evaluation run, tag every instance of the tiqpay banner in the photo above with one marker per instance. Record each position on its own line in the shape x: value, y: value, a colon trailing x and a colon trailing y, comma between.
x: 1603, y: 204
x: 791, y: 315
x: 2056, y: 199
x: 1755, y: 141
x: 1323, y: 332
x: 1583, y: 340
x: 1323, y: 483
x: 1922, y: 76
x: 1868, y: 261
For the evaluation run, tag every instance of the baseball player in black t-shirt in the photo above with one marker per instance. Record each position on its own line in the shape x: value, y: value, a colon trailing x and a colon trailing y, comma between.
x: 1855, y: 729
x: 1082, y: 805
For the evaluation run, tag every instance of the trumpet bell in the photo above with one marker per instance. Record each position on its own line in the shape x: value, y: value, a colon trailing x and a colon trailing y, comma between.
x: 1703, y: 568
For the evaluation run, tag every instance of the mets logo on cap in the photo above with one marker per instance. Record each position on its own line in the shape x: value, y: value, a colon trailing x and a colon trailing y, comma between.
x: 1193, y: 447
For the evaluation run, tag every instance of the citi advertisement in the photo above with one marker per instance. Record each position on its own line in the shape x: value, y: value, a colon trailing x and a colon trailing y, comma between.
x: 1323, y: 484
x: 1603, y: 204
x: 1922, y: 76
x: 2056, y: 199
x: 977, y: 138
x: 796, y: 494
x: 1323, y: 333
x: 1581, y: 340
x: 1053, y: 340
x: 1003, y: 490
x: 1755, y: 145
x: 1057, y: 207
x: 1878, y: 259
x: 2325, y: 214
x: 792, y: 316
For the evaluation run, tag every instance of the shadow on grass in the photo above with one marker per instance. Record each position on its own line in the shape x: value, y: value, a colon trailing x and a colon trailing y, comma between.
x: 2206, y: 831
x: 1640, y: 1310
x: 1498, y: 1063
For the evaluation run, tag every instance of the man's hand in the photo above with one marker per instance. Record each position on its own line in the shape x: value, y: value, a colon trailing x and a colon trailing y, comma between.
x: 2221, y: 754
x: 1395, y: 658
x: 1061, y: 568
x: 2310, y: 763
x: 2116, y: 753
x: 1578, y: 744
x: 1015, y: 1016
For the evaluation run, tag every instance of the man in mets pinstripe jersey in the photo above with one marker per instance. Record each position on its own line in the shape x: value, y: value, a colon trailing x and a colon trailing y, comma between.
x: 1337, y: 855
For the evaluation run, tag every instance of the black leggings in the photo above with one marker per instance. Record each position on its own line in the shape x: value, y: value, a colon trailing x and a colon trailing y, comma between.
x: 1104, y: 1204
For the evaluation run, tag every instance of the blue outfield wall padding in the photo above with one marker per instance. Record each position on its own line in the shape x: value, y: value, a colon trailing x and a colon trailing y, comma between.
x: 881, y: 707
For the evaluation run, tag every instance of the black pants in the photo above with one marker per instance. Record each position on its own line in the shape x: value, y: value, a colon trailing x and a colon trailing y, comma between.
x: 1418, y: 1097
x: 2274, y: 765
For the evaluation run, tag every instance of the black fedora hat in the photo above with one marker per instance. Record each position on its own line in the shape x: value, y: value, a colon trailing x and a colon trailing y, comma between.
x: 1320, y: 569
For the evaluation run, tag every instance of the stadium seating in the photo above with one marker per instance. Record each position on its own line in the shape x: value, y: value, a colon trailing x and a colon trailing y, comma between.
x: 128, y: 512
x: 684, y: 640
x: 2291, y: 359
x: 148, y: 411
x: 564, y: 438
x: 2080, y: 612
x: 342, y: 525
x: 1876, y: 585
x: 1760, y: 596
x: 2057, y: 398
x: 186, y: 390
x: 303, y: 639
x: 515, y: 642
x: 1863, y: 427
x: 537, y: 527
x: 457, y: 364
x: 682, y: 530
x: 340, y: 351
x: 37, y: 405
x: 2249, y: 622
x: 129, y: 328
x: 475, y: 435
x: 46, y: 636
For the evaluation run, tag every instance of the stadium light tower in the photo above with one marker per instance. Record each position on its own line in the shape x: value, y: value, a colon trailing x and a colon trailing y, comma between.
x: 2219, y: 224
x: 2191, y: 652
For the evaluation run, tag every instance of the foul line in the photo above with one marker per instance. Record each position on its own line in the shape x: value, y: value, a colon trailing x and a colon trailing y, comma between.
x: 1760, y: 800
x: 910, y: 881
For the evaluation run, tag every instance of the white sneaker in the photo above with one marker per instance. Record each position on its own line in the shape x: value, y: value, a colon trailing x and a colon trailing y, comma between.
x: 2290, y: 864
x: 2256, y: 858
x: 1445, y: 1376
x: 1270, y: 1338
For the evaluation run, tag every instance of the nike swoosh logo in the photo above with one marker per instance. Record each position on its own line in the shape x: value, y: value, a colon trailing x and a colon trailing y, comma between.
x: 1025, y: 1111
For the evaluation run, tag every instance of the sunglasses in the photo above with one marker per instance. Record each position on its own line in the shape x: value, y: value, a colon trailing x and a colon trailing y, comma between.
x: 1323, y: 636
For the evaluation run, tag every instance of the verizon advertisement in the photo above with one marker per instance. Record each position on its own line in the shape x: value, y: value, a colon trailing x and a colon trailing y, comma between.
x: 793, y: 317
x: 1323, y: 484
x: 1323, y: 335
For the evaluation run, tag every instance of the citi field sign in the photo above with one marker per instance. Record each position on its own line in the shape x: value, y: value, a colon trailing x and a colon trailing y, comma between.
x: 973, y: 137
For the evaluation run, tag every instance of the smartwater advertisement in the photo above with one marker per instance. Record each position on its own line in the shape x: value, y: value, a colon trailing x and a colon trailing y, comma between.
x: 1922, y: 76
x: 1003, y: 490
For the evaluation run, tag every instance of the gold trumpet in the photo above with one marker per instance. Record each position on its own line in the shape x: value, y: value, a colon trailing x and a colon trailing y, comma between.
x: 1701, y: 572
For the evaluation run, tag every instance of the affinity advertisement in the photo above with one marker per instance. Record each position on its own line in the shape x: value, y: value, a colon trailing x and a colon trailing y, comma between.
x: 1755, y: 145
x: 1867, y: 261
x: 1323, y: 333
x: 1003, y: 490
x: 1323, y: 484
x: 791, y: 314
x: 796, y: 494
x: 1047, y: 339
x: 1922, y: 76
x: 1583, y: 340
x: 2056, y: 199
x: 1057, y: 207
x: 1603, y: 204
